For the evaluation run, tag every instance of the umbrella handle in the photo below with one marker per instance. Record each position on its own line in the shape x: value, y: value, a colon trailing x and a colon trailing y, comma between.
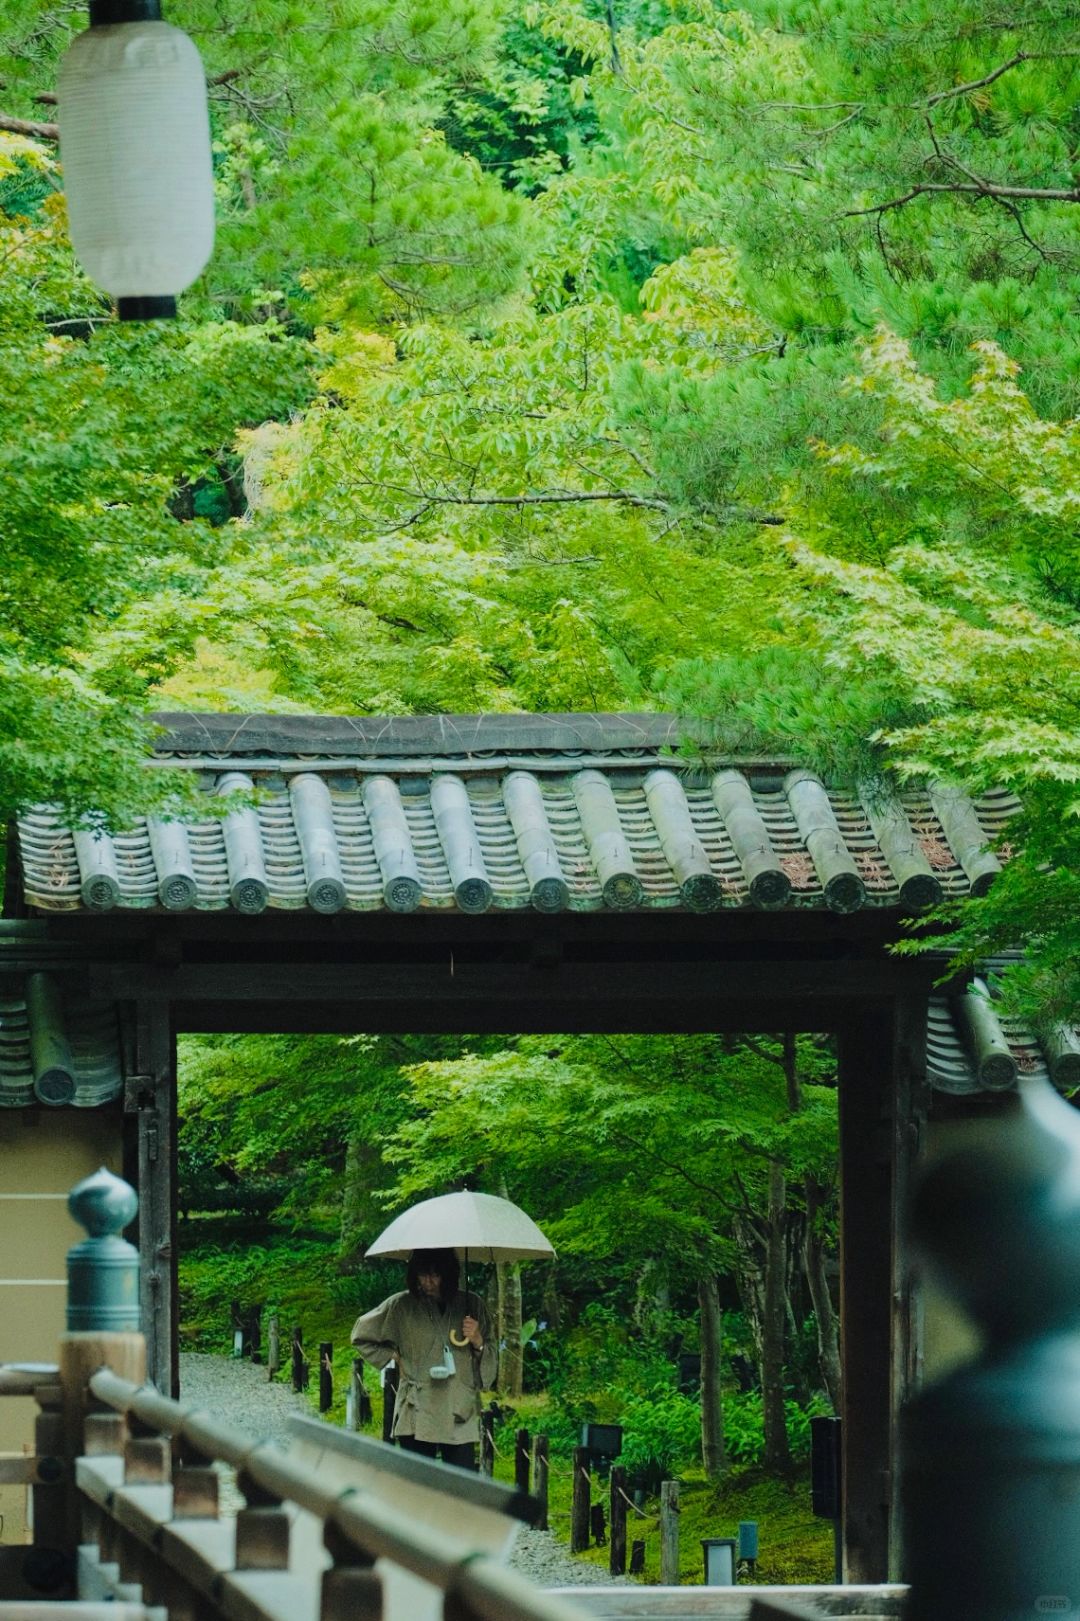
x: 456, y: 1338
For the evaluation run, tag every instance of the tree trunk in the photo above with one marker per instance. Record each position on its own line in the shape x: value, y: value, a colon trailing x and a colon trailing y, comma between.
x: 828, y: 1330
x: 777, y: 1457
x: 510, y: 1312
x: 353, y: 1192
x: 552, y: 1304
x: 750, y: 1279
x: 713, y: 1452
x: 652, y: 1300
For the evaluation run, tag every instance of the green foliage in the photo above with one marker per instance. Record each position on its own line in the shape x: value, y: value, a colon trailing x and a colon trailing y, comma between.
x: 661, y: 1434
x: 631, y: 434
x: 795, y: 1547
x: 274, y: 1115
x: 103, y: 425
x: 520, y: 120
x: 622, y: 1146
x: 782, y: 128
x: 333, y: 182
x: 744, y: 1425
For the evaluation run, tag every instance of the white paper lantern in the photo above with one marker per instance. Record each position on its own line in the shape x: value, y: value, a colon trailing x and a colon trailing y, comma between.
x: 135, y: 149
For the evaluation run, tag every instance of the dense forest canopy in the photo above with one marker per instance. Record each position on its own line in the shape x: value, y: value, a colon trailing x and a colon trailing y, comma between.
x: 647, y: 354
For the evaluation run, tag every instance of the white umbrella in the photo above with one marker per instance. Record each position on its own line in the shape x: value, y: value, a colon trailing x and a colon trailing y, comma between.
x: 478, y: 1226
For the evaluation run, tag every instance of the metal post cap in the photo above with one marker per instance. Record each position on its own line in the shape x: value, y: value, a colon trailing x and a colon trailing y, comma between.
x: 103, y: 1203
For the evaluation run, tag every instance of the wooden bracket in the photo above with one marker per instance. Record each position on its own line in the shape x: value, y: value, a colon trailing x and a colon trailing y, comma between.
x: 147, y: 1460
x: 104, y: 1435
x: 351, y: 1593
x: 195, y: 1493
x: 262, y: 1539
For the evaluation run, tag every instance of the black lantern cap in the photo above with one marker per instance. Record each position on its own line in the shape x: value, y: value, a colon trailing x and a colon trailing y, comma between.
x: 147, y: 308
x: 103, y: 12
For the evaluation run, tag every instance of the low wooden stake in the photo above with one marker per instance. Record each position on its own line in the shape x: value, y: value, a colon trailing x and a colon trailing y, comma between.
x: 522, y: 1449
x: 617, y: 1557
x: 579, y: 1501
x: 540, y: 1479
x: 669, y: 1533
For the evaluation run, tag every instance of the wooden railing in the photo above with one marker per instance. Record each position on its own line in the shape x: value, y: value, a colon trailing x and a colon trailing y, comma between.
x: 132, y: 1519
x: 297, y: 1549
x: 125, y: 1481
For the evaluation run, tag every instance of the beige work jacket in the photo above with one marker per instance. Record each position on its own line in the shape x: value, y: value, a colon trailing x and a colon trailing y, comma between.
x: 416, y: 1332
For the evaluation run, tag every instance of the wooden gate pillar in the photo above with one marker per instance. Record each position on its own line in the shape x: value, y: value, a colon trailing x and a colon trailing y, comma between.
x: 150, y: 1162
x: 882, y: 1087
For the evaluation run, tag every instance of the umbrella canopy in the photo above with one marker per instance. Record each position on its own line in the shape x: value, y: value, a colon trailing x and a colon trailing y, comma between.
x: 478, y: 1226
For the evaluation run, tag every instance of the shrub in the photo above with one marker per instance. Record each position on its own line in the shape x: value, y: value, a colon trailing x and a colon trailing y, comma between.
x: 744, y: 1425
x: 661, y: 1435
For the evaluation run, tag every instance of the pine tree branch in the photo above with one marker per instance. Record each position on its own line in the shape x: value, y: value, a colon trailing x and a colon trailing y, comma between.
x: 978, y: 188
x: 975, y: 183
x: 979, y: 84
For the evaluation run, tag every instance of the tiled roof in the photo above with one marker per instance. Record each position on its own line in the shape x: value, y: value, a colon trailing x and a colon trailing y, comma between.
x: 501, y: 813
x: 57, y: 1052
x: 972, y: 1046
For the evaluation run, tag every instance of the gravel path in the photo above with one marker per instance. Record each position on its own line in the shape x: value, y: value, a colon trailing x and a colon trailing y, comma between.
x: 240, y: 1393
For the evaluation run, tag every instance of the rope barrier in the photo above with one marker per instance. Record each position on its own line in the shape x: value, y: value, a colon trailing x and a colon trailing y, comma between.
x: 639, y: 1514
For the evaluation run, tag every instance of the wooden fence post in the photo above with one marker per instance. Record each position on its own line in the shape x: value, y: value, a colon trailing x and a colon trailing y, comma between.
x: 540, y: 1479
x: 273, y: 1346
x: 579, y: 1501
x: 637, y: 1557
x: 522, y: 1450
x: 487, y: 1439
x: 617, y: 1557
x: 669, y: 1533
x: 300, y: 1369
x: 389, y: 1397
x: 254, y: 1333
x: 326, y: 1376
x: 598, y: 1524
x: 358, y: 1402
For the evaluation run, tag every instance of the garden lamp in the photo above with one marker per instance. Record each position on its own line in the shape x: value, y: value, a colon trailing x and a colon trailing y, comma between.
x: 135, y: 149
x: 719, y: 1555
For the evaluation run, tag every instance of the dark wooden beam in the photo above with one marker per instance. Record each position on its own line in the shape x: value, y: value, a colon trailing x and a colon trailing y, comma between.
x: 739, y: 990
x: 866, y: 1058
x: 526, y: 1016
x: 152, y: 1097
x: 872, y: 929
x: 910, y: 1094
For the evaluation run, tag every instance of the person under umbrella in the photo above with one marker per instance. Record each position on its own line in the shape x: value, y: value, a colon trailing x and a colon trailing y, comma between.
x: 440, y: 1337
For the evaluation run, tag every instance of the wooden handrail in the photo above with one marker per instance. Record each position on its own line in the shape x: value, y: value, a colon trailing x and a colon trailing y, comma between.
x: 23, y: 1378
x: 371, y: 1527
